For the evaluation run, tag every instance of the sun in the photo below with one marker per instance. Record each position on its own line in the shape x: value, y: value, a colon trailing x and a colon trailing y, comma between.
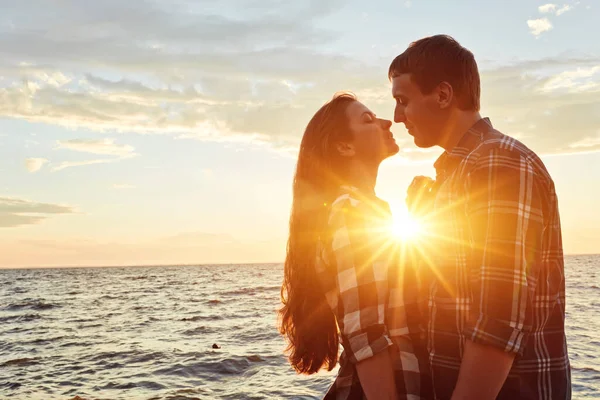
x: 405, y: 227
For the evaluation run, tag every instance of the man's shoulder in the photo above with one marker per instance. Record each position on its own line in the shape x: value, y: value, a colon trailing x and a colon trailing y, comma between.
x: 500, y: 146
x: 495, y: 141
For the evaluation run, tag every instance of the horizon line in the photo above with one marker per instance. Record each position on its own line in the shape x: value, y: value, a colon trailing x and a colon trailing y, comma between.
x: 191, y: 264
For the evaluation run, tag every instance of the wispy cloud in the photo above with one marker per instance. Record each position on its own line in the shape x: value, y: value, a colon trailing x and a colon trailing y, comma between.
x: 34, y: 164
x: 105, y: 146
x: 101, y: 146
x: 18, y: 212
x: 553, y: 9
x: 550, y: 120
x: 576, y: 80
x: 563, y: 9
x: 547, y: 8
x: 587, y: 143
x: 539, y: 26
x: 70, y: 164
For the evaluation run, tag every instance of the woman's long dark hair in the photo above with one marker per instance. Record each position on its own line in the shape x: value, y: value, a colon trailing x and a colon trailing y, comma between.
x: 305, y: 318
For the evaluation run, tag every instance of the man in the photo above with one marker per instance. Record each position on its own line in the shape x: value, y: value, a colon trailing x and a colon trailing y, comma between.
x: 496, y: 298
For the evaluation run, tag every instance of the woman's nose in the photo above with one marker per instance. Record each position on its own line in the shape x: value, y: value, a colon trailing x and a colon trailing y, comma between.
x: 385, y: 123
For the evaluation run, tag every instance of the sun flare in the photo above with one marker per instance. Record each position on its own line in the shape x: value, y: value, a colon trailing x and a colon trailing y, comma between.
x: 405, y: 227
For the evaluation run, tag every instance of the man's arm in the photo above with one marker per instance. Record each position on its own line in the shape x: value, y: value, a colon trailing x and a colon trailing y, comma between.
x: 482, y: 372
x: 506, y: 223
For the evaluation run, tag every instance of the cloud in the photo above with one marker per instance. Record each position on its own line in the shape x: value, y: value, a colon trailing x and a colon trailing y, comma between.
x: 18, y: 212
x: 34, y: 164
x: 578, y: 80
x: 547, y: 8
x: 105, y: 146
x: 587, y: 143
x: 539, y: 26
x: 549, y: 115
x: 70, y: 164
x: 255, y: 78
x: 563, y: 9
x: 553, y: 8
x: 101, y: 146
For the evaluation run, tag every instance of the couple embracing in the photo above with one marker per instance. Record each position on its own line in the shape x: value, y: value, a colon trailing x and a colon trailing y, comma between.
x: 477, y: 315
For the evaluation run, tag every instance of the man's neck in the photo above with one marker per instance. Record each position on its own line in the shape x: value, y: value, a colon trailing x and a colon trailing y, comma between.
x: 457, y: 128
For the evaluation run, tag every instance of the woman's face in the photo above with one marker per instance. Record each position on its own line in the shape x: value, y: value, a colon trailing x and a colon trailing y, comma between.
x: 372, y: 140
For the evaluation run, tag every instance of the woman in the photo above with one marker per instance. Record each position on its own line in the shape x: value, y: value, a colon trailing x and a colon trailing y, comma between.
x: 341, y: 267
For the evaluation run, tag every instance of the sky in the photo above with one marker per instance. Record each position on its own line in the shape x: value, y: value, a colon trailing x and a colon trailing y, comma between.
x: 166, y: 132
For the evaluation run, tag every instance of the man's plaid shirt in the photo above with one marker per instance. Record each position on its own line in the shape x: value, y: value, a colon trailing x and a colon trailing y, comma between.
x: 374, y: 300
x: 496, y: 267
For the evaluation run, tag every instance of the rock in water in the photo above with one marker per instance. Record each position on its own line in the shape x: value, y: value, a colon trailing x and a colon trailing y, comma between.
x: 216, y: 346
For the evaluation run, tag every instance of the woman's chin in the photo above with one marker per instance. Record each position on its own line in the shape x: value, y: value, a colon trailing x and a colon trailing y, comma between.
x: 393, y: 149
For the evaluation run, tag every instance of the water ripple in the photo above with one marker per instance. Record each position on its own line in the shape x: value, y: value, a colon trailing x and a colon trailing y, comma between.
x: 147, y: 333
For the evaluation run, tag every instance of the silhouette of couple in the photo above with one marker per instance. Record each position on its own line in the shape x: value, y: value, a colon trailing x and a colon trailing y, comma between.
x: 477, y: 310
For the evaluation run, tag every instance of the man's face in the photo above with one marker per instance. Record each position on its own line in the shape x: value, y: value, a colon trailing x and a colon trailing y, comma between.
x: 420, y: 113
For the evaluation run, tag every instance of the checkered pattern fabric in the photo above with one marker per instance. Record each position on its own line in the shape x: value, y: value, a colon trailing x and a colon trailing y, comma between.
x: 496, y: 272
x: 364, y: 284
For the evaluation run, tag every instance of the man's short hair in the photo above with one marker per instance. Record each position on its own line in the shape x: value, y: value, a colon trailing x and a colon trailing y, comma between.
x: 440, y: 58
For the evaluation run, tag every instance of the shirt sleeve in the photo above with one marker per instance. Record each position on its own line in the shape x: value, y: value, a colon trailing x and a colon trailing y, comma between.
x: 505, y: 215
x: 361, y: 281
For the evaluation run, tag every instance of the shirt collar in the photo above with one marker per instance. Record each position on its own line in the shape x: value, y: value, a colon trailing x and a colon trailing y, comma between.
x: 363, y: 195
x: 472, y: 137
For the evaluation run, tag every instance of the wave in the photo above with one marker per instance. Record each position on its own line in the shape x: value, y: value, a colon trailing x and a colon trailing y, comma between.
x: 228, y: 366
x: 203, y: 318
x: 109, y: 297
x: 587, y: 369
x: 20, y: 362
x: 196, y: 318
x: 133, y: 385
x: 140, y: 342
x: 20, y: 318
x: 45, y: 341
x: 10, y: 385
x: 137, y: 278
x: 252, y: 290
x: 37, y: 305
x: 197, y: 331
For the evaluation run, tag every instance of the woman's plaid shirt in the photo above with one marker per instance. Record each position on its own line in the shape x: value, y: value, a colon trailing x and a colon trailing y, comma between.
x: 374, y: 300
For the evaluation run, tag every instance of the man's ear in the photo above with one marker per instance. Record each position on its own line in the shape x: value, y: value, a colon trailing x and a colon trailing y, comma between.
x: 445, y: 95
x: 345, y: 149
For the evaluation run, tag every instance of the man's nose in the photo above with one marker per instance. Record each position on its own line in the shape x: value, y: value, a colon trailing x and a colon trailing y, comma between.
x: 399, y: 115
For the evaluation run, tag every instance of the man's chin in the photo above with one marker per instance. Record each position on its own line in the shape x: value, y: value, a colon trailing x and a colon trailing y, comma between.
x: 422, y: 143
